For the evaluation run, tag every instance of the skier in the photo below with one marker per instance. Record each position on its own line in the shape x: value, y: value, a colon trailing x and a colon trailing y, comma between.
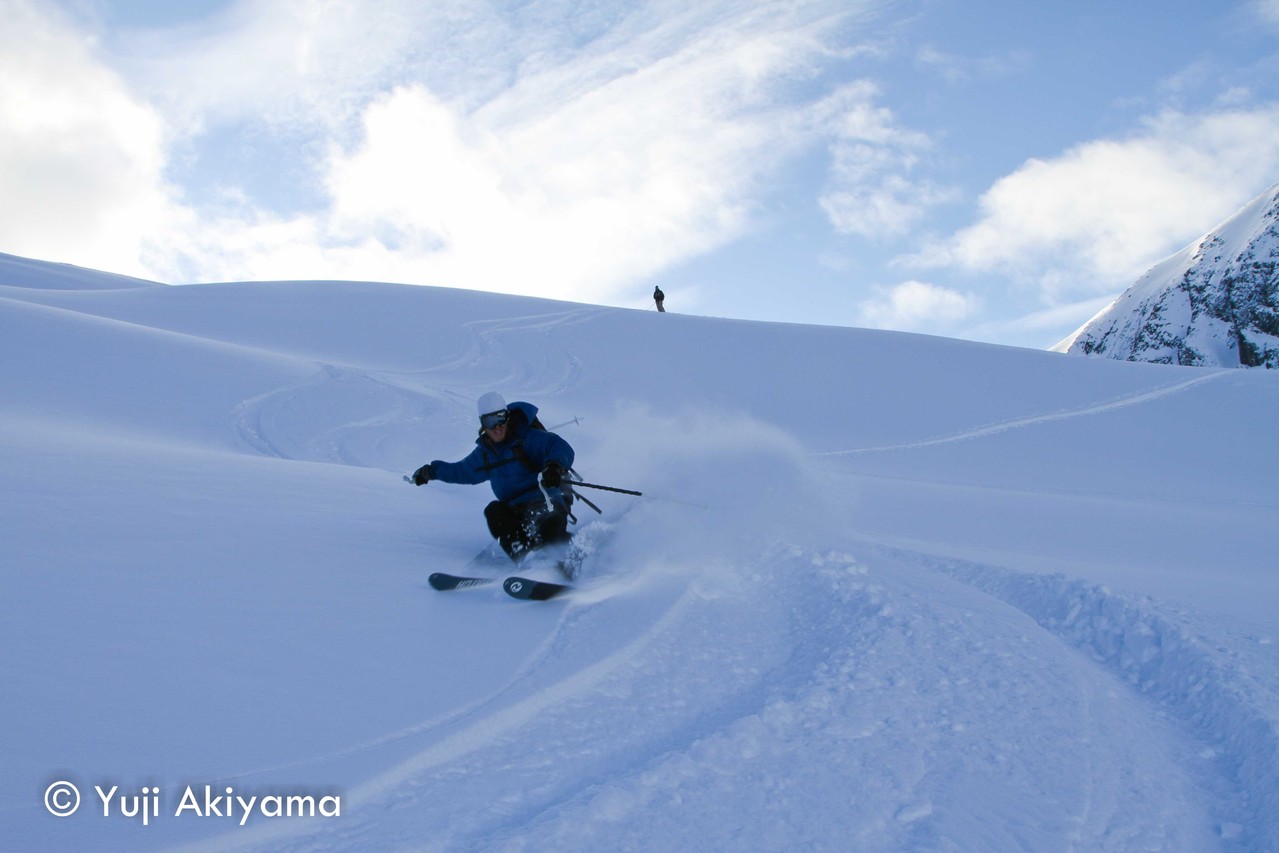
x: 659, y: 297
x: 524, y: 464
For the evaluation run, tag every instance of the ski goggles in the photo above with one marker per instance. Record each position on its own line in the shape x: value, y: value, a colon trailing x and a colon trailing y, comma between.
x: 493, y: 420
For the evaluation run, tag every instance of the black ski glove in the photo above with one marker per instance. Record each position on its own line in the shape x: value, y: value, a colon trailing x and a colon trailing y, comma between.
x: 552, y: 474
x: 422, y: 475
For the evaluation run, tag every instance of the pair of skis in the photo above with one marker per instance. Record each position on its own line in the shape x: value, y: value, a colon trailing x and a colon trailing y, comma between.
x: 526, y: 589
x: 567, y: 559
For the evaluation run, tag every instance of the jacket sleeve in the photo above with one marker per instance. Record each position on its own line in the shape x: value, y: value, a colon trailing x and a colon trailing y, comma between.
x: 468, y: 471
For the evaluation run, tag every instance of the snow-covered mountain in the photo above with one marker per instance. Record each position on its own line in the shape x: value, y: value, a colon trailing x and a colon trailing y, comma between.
x: 1215, y: 303
x: 882, y: 591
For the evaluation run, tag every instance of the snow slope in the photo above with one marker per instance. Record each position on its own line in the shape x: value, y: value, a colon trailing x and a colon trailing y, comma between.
x: 884, y: 591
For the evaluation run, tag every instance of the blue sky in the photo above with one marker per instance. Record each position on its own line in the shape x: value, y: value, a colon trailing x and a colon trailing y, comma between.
x: 990, y: 170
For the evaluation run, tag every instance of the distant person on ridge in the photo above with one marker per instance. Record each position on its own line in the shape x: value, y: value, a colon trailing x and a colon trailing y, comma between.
x: 658, y: 296
x: 524, y: 464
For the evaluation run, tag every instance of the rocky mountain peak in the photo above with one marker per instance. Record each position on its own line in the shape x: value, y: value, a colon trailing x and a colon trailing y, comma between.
x: 1215, y: 303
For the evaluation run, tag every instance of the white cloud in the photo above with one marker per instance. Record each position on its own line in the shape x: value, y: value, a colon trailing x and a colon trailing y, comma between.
x: 591, y: 169
x: 870, y: 191
x: 564, y: 153
x: 916, y: 305
x: 1095, y: 218
x: 605, y: 188
x: 81, y: 159
x: 309, y: 63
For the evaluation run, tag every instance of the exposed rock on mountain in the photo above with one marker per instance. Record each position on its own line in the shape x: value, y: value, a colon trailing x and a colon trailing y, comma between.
x: 1215, y: 303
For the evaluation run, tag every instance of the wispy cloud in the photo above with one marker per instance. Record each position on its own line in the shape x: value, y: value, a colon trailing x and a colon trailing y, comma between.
x: 1267, y: 10
x: 547, y: 149
x: 958, y: 70
x: 872, y: 190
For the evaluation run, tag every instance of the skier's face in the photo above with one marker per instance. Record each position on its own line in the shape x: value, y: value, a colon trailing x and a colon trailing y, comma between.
x: 495, y: 424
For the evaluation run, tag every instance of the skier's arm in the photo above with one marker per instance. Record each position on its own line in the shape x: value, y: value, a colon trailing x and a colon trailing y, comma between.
x: 468, y: 471
x: 547, y: 447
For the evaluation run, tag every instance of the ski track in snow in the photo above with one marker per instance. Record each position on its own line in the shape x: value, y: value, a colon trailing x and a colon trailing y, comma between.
x: 1035, y: 420
x: 1181, y: 674
x: 1147, y: 651
x: 494, y: 723
x: 268, y: 423
x: 530, y: 347
x: 593, y: 533
x: 522, y: 353
x: 844, y: 673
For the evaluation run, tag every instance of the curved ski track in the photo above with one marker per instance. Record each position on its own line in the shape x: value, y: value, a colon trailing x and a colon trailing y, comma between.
x: 1018, y: 423
x: 523, y: 353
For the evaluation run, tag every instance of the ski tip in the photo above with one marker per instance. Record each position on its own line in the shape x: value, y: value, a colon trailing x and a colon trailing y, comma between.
x: 444, y: 581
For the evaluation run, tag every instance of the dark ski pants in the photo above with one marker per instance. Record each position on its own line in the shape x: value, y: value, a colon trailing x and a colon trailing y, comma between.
x: 527, y: 526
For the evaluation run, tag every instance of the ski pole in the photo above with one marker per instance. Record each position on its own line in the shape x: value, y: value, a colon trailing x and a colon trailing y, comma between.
x: 575, y: 420
x: 606, y: 488
x: 677, y: 501
x: 633, y: 492
x: 584, y: 499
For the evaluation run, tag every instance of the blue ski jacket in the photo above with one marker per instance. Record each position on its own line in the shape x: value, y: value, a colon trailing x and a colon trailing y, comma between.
x: 513, y: 467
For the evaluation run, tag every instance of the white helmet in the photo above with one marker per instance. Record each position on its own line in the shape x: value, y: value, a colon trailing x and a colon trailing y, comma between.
x: 493, y: 411
x: 490, y: 403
